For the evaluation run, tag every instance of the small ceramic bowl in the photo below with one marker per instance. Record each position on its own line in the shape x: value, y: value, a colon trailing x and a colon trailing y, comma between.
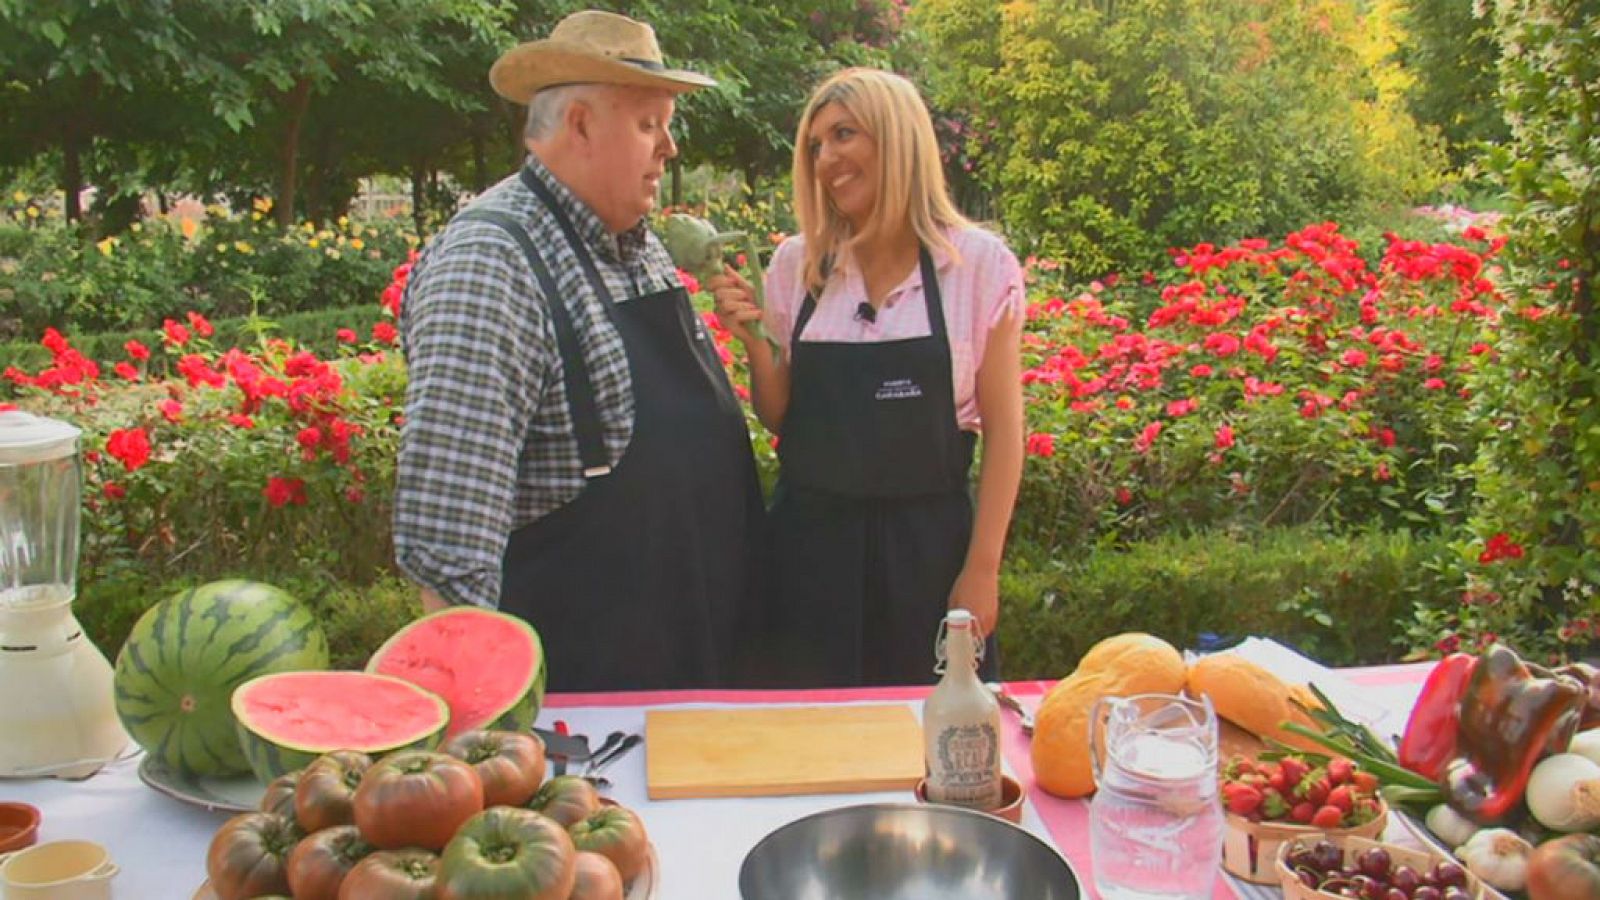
x: 1011, y: 795
x: 19, y: 826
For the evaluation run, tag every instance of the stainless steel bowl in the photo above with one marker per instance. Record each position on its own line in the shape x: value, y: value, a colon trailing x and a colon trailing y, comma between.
x: 904, y: 852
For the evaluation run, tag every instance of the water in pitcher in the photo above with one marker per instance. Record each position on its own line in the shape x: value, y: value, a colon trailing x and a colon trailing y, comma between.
x: 1155, y: 823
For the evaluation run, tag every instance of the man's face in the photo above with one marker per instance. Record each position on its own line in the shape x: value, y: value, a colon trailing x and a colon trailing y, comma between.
x: 629, y: 145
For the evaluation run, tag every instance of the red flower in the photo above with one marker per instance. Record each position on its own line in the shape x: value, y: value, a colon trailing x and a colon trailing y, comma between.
x: 1201, y: 371
x: 1434, y: 384
x: 174, y: 334
x: 136, y: 351
x: 346, y: 335
x: 131, y: 446
x: 690, y: 283
x: 1355, y: 359
x: 171, y: 410
x: 280, y: 491
x: 1224, y: 439
x: 113, y: 491
x: 200, y: 325
x: 241, y: 421
x: 384, y: 333
x: 1177, y: 409
x: 1147, y: 437
x: 1498, y: 547
x: 1040, y: 444
x: 1124, y: 496
x: 126, y: 371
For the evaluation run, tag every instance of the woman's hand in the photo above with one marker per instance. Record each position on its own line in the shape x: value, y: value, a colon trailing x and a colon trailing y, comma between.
x: 978, y: 591
x: 735, y: 303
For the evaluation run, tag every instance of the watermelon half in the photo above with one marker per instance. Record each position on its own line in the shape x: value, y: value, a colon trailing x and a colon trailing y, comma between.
x: 489, y: 666
x: 177, y: 671
x: 291, y: 718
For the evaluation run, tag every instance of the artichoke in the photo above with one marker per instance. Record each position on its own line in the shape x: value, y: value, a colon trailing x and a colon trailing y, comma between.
x: 697, y: 247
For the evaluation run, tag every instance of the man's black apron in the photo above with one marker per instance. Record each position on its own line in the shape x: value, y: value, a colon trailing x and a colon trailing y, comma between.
x: 643, y: 580
x: 872, y: 514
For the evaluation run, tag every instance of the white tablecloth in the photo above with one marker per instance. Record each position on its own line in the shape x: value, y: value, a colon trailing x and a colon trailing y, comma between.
x: 160, y: 842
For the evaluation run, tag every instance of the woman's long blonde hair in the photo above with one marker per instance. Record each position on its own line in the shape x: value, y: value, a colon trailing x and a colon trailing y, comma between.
x: 911, y: 183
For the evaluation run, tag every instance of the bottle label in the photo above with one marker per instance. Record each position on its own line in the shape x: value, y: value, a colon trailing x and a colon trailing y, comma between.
x: 966, y: 768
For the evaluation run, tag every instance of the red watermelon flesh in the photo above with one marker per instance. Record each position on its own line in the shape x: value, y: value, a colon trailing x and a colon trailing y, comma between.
x: 488, y: 666
x: 288, y: 719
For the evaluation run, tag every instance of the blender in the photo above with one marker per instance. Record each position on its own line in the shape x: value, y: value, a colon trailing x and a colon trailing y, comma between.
x: 57, y: 714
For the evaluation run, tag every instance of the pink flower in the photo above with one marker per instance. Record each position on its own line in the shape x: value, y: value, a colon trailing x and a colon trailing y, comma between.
x: 1224, y: 438
x: 1177, y: 409
x: 171, y: 410
x: 1147, y: 437
x: 1434, y: 384
x: 346, y: 335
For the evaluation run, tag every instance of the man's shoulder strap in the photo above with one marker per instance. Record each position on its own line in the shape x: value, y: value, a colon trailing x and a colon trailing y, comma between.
x: 575, y: 371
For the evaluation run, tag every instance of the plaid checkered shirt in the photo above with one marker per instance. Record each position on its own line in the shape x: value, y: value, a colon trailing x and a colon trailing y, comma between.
x: 488, y: 445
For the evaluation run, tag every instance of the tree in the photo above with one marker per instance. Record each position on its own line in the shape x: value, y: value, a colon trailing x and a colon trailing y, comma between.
x: 1451, y: 54
x: 71, y: 74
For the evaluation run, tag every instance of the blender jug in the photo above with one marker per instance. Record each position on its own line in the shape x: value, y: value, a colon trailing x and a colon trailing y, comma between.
x: 57, y: 715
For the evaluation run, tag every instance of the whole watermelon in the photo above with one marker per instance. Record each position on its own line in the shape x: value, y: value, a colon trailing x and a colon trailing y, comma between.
x: 176, y: 674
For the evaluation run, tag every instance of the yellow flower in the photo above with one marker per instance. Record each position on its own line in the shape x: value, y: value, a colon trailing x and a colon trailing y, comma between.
x: 308, y: 228
x: 312, y: 243
x: 332, y: 253
x: 243, y: 247
x: 33, y: 212
x: 136, y: 228
x: 344, y: 221
x: 355, y: 244
x: 255, y: 217
x: 222, y: 248
x: 18, y: 197
x: 262, y: 204
x: 107, y: 245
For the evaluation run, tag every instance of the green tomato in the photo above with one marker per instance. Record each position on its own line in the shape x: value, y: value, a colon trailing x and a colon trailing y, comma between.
x: 616, y: 833
x: 505, y: 853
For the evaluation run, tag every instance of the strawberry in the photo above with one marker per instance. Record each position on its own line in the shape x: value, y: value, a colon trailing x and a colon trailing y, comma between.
x: 1302, y: 812
x: 1241, y: 799
x: 1365, y: 782
x: 1341, y: 797
x: 1340, y: 770
x: 1294, y: 768
x: 1314, y: 788
x: 1327, y: 818
x: 1278, y: 781
x: 1273, y: 805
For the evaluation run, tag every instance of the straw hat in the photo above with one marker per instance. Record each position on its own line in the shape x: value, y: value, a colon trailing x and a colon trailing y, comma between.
x: 589, y: 46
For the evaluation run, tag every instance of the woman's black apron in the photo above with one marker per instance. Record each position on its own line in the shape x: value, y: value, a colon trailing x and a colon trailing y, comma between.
x: 872, y: 513
x: 644, y: 580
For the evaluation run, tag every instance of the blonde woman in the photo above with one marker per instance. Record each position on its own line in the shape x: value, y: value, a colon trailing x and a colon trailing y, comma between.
x: 900, y: 325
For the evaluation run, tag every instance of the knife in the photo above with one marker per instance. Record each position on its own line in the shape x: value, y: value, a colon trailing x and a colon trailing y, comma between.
x: 564, y: 748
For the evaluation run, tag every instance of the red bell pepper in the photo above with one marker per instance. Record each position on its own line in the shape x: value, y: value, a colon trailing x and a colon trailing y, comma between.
x: 1512, y: 715
x: 1430, y: 738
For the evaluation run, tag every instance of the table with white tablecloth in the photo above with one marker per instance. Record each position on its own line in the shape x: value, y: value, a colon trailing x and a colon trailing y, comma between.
x: 160, y: 842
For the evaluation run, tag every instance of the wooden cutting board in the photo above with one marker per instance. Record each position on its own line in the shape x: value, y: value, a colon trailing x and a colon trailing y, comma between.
x: 778, y: 751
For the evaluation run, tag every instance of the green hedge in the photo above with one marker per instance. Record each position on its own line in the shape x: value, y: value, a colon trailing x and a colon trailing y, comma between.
x: 1338, y: 598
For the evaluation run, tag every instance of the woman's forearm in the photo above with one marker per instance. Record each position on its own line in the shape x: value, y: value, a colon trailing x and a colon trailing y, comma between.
x: 769, y: 385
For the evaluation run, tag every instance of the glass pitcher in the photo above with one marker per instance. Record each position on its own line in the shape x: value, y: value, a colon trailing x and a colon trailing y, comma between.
x: 1155, y: 822
x: 39, y: 487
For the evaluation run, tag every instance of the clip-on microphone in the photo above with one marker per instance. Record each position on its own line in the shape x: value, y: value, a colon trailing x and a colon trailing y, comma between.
x: 866, y: 312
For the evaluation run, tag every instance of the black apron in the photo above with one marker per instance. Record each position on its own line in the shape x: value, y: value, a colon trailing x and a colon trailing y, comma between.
x: 642, y: 581
x: 872, y: 514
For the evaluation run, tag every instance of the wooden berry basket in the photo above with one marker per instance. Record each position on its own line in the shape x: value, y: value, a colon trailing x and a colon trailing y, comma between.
x: 1250, y: 849
x: 1421, y: 860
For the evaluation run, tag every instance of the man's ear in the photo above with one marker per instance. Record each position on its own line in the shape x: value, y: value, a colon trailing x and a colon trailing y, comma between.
x: 579, y: 119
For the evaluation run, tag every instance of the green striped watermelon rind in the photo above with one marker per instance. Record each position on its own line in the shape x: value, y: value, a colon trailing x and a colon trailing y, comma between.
x: 521, y: 713
x: 269, y: 758
x: 176, y: 673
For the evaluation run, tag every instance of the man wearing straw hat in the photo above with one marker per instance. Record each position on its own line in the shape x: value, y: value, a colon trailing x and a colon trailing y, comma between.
x: 573, y: 452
